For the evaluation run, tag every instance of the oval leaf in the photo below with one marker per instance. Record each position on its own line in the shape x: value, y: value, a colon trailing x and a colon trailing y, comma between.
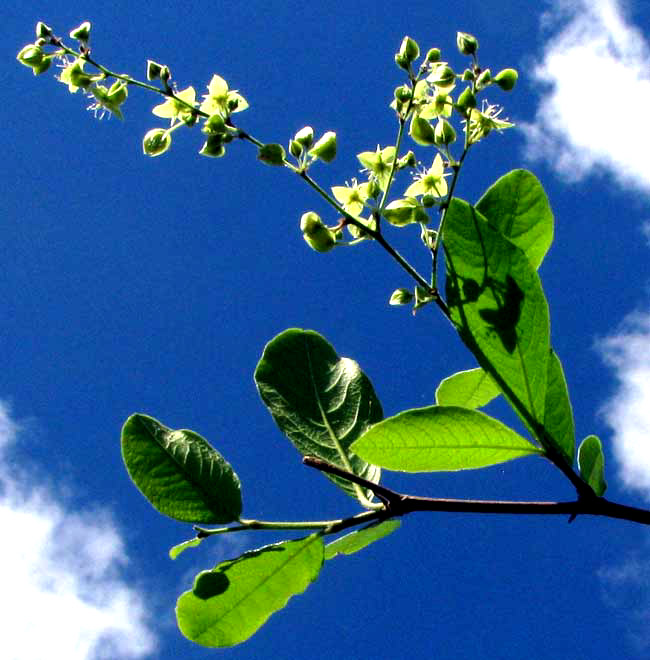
x: 231, y: 602
x: 441, y: 438
x: 322, y: 402
x: 180, y: 473
x: 473, y: 388
x: 592, y: 464
x: 359, y: 539
x: 518, y: 207
x: 498, y: 306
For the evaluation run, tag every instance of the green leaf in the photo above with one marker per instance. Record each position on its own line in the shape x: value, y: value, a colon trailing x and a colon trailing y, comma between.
x: 592, y: 464
x: 321, y: 401
x: 272, y: 154
x: 518, y: 207
x: 231, y: 602
x: 181, y: 547
x: 558, y: 414
x: 473, y: 388
x: 179, y: 472
x: 360, y: 538
x: 441, y: 438
x: 497, y: 304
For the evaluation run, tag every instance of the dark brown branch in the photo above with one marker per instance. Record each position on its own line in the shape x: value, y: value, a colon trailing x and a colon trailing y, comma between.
x: 398, y: 504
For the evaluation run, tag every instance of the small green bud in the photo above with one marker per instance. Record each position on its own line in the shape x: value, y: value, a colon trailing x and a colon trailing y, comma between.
x: 444, y: 132
x: 272, y: 154
x: 466, y: 101
x: 31, y: 55
x: 325, y: 148
x: 43, y: 66
x: 305, y: 136
x: 409, y: 50
x: 214, y: 125
x: 43, y: 31
x: 506, y: 79
x: 428, y: 201
x: 400, y: 297
x: 408, y: 160
x: 433, y: 55
x: 401, y: 212
x: 402, y: 94
x: 213, y: 147
x: 442, y: 76
x: 315, y: 233
x: 165, y: 75
x: 295, y: 148
x: 422, y: 132
x: 467, y: 44
x: 156, y: 142
x: 468, y: 76
x: 374, y: 189
x: 154, y: 70
x: 484, y: 79
x: 81, y: 33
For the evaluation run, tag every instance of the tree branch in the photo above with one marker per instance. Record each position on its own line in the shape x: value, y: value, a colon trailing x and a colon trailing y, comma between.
x: 399, y: 504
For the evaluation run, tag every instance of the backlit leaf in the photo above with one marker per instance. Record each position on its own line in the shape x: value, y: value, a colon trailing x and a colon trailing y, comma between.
x: 518, y: 207
x: 360, y: 538
x: 473, y: 388
x: 321, y: 401
x: 441, y: 438
x: 592, y: 464
x: 231, y: 602
x: 558, y: 415
x: 179, y: 472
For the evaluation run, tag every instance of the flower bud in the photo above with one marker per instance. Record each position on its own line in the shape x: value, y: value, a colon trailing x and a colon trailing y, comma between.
x: 422, y: 132
x: 402, y: 94
x: 295, y: 148
x: 325, y: 148
x: 428, y: 201
x: 156, y: 142
x: 442, y: 76
x: 43, y: 31
x: 272, y: 154
x: 466, y: 101
x: 433, y: 55
x: 81, y: 33
x: 467, y: 44
x: 468, y: 76
x: 400, y: 297
x: 409, y: 50
x: 506, y: 79
x: 213, y: 147
x: 153, y: 70
x: 444, y: 132
x: 315, y: 233
x: 407, y: 160
x: 214, y: 125
x: 305, y: 136
x: 31, y: 55
x: 484, y: 79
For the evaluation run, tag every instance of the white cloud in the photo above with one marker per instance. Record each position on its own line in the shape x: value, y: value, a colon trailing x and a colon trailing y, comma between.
x: 594, y: 82
x: 627, y: 352
x: 63, y: 590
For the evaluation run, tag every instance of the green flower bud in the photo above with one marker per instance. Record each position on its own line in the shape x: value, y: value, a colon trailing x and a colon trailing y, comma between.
x: 428, y: 201
x: 43, y: 31
x: 81, y: 33
x: 153, y: 70
x: 442, y: 76
x: 444, y: 132
x: 165, y: 75
x: 214, y: 125
x: 305, y: 136
x: 31, y: 55
x: 401, y: 212
x: 433, y: 55
x: 315, y: 233
x: 213, y: 147
x: 156, y: 142
x: 506, y: 79
x: 409, y: 50
x: 402, y: 94
x: 295, y: 148
x: 468, y: 76
x: 374, y: 189
x: 43, y: 66
x: 422, y: 132
x: 272, y: 154
x: 400, y: 297
x: 466, y: 101
x: 467, y: 44
x: 484, y: 79
x: 408, y: 160
x: 325, y: 148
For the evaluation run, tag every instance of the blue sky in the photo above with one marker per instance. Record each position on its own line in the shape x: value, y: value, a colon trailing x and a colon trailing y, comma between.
x: 151, y: 285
